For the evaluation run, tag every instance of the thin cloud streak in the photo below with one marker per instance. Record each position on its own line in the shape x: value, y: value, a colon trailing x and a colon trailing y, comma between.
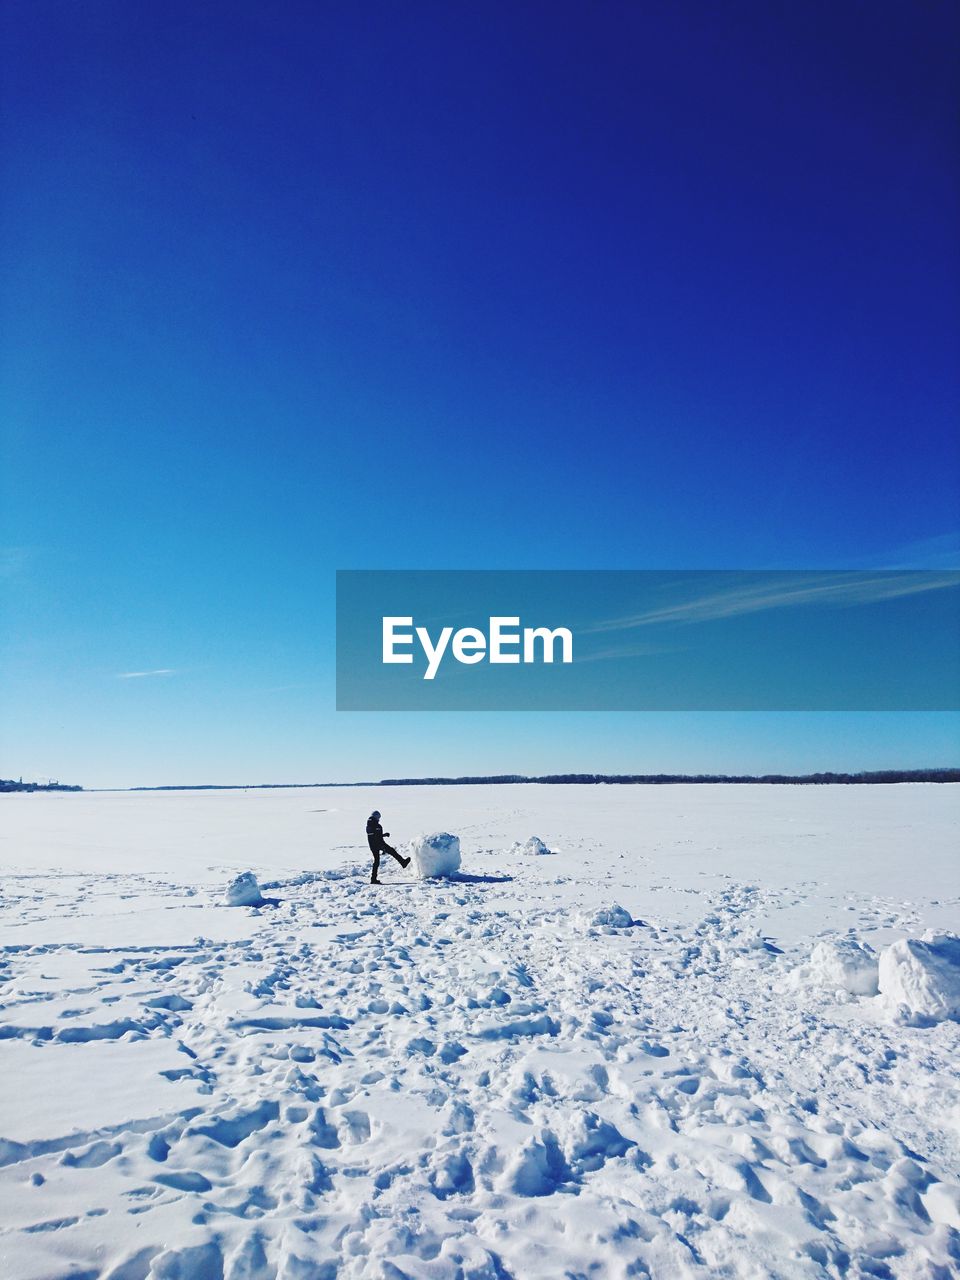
x: 942, y: 552
x: 140, y: 675
x: 849, y: 591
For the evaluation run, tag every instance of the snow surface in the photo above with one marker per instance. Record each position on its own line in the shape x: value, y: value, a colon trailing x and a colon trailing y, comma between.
x: 467, y: 1077
x: 613, y: 917
x: 244, y: 891
x: 534, y: 847
x: 920, y: 978
x: 435, y: 855
x: 843, y: 964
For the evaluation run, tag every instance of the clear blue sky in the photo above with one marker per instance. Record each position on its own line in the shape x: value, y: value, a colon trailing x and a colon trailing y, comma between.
x: 295, y: 287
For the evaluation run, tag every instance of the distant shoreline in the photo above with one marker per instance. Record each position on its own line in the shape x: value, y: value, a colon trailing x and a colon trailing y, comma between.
x: 7, y: 784
x: 552, y: 779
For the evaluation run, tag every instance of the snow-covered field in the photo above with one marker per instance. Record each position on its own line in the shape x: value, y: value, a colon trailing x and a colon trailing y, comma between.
x: 492, y: 1076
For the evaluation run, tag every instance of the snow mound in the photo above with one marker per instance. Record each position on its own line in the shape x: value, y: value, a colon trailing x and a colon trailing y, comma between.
x: 613, y: 917
x: 436, y: 855
x: 534, y: 846
x: 844, y: 964
x: 920, y: 978
x: 244, y: 891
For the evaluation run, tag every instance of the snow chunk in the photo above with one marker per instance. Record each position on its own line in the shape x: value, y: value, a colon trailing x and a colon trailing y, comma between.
x: 614, y: 917
x: 536, y: 1169
x: 920, y: 978
x: 591, y: 1141
x: 244, y: 891
x: 534, y: 846
x: 436, y: 855
x: 844, y: 964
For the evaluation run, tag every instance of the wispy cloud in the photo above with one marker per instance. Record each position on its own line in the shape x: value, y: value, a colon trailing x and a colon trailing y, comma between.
x: 942, y: 552
x: 140, y: 675
x: 842, y: 590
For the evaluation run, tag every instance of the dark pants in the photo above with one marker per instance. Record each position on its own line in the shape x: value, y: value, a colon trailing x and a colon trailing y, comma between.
x: 384, y: 848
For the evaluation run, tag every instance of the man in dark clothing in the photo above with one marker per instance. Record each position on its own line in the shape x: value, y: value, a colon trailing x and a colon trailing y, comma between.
x: 379, y: 845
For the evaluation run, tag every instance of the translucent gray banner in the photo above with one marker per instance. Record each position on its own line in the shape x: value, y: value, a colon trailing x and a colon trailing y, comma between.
x: 648, y: 640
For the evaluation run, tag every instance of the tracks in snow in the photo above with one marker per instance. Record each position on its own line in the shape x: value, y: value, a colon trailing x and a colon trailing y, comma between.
x: 459, y: 1082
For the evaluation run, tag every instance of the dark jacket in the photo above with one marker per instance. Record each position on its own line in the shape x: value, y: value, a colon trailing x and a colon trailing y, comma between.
x: 374, y: 835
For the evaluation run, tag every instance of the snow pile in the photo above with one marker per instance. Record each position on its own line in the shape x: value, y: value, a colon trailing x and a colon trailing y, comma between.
x: 534, y: 846
x: 436, y: 855
x: 613, y: 917
x: 920, y: 978
x: 843, y: 964
x: 244, y: 891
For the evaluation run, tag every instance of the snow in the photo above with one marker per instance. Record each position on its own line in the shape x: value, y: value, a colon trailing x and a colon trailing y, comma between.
x: 613, y: 917
x: 467, y: 1076
x: 920, y: 978
x: 435, y: 855
x: 244, y: 891
x: 844, y: 964
x: 533, y: 847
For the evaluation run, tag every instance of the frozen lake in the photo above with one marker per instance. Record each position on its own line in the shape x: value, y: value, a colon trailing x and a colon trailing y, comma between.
x: 476, y: 1077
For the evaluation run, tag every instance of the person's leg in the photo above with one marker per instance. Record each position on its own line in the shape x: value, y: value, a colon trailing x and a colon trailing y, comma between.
x: 376, y: 866
x: 386, y: 848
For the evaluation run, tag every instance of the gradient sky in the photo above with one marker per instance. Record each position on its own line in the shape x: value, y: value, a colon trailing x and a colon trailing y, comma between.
x: 292, y: 287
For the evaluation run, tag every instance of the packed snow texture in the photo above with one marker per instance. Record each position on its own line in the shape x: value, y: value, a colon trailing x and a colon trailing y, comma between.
x: 844, y: 964
x: 244, y: 891
x: 534, y: 847
x: 613, y: 917
x: 920, y: 978
x: 466, y: 1079
x: 436, y: 855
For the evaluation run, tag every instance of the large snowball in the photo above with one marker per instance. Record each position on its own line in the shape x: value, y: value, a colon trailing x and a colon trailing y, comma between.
x: 920, y: 978
x: 613, y: 917
x: 534, y: 846
x: 436, y: 855
x: 846, y: 964
x: 244, y: 891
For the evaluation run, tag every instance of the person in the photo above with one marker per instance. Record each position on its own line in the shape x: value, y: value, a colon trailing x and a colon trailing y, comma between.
x: 378, y: 845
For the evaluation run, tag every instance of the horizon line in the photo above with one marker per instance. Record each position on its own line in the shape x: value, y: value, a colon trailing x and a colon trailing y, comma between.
x: 936, y: 773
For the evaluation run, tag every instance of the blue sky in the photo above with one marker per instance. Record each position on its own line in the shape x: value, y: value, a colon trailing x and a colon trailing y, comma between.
x: 291, y: 288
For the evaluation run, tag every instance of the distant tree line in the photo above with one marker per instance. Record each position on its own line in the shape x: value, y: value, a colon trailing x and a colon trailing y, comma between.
x: 649, y: 779
x: 11, y: 784
x: 657, y: 779
x: 247, y: 786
